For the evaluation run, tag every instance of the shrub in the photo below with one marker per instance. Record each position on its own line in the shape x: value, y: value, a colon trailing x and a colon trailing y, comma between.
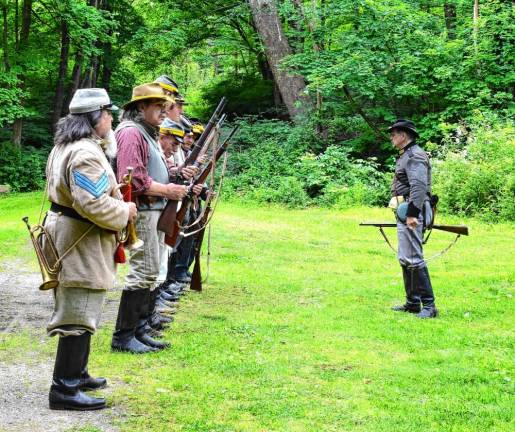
x: 23, y: 169
x: 479, y: 179
x: 272, y: 162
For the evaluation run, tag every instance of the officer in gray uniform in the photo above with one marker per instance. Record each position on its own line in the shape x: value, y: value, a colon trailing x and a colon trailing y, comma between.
x: 412, y: 186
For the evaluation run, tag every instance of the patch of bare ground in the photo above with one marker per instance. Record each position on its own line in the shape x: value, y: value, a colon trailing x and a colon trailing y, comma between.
x: 24, y: 385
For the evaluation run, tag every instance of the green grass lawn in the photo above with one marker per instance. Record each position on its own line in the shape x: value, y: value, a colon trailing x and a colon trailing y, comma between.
x: 294, y: 331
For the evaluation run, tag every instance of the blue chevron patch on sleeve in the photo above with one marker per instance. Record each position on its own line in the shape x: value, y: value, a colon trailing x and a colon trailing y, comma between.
x: 94, y: 188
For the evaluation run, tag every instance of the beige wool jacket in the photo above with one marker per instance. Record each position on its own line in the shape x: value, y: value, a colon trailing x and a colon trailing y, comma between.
x: 79, y: 176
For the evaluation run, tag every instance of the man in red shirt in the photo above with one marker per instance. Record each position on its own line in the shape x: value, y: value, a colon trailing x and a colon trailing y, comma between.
x: 138, y: 148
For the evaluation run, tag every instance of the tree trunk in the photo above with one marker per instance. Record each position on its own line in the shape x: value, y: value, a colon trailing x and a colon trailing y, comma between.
x: 16, y: 25
x: 475, y: 23
x: 26, y: 21
x: 76, y: 74
x: 450, y: 19
x: 106, y: 65
x: 63, y: 71
x: 106, y: 72
x: 5, y: 47
x: 310, y: 26
x: 266, y: 20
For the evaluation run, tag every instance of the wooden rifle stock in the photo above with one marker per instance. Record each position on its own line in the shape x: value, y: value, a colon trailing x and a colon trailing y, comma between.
x: 196, y: 275
x: 171, y: 239
x: 456, y: 229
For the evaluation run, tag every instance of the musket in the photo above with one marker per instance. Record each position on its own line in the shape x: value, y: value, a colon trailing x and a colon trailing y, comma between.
x: 192, y: 157
x: 456, y: 229
x: 169, y: 213
x: 196, y: 275
x: 171, y: 239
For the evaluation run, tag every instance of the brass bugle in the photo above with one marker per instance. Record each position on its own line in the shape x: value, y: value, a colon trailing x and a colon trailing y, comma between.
x: 128, y: 235
x: 50, y: 272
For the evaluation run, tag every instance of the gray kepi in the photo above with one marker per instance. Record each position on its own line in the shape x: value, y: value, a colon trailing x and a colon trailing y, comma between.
x: 91, y: 99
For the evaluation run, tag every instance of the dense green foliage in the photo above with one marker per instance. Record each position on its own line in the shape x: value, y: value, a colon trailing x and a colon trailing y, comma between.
x: 275, y: 162
x: 473, y: 171
x: 23, y: 169
x: 294, y: 332
x: 364, y: 63
x: 479, y: 178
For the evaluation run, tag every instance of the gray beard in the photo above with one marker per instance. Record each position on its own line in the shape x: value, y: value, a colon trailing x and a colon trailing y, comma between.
x: 109, y: 144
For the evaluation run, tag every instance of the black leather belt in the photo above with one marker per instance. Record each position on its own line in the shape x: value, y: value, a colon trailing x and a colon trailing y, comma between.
x: 67, y: 211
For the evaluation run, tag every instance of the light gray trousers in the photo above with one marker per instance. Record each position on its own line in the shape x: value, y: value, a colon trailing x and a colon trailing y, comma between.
x: 144, y: 262
x: 410, y: 252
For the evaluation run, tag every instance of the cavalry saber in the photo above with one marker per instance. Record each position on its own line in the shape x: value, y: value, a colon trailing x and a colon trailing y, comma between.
x: 456, y: 229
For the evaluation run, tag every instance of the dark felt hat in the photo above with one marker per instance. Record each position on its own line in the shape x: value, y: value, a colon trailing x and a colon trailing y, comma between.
x: 186, y: 125
x: 196, y: 126
x: 169, y: 127
x: 404, y: 124
x: 167, y: 83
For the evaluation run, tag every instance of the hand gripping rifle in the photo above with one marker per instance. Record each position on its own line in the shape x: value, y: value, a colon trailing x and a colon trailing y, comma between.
x: 169, y: 213
x: 172, y: 236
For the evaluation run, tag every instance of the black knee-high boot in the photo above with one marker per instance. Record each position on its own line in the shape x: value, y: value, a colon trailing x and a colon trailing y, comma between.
x: 426, y: 294
x: 144, y: 329
x: 65, y: 393
x: 124, y: 337
x: 87, y: 382
x: 412, y: 304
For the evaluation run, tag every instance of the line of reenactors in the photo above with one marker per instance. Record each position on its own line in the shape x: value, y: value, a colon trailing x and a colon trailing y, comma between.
x: 85, y: 169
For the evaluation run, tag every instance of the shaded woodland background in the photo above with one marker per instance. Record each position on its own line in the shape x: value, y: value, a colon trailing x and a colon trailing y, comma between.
x: 313, y: 83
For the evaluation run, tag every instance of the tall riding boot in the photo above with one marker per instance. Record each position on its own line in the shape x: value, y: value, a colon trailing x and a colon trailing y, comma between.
x: 426, y: 294
x: 412, y: 304
x: 124, y: 337
x: 87, y: 382
x: 170, y: 274
x: 65, y: 393
x: 184, y: 251
x: 143, y: 329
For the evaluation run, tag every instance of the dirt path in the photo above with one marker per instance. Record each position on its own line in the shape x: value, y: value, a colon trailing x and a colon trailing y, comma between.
x: 24, y: 385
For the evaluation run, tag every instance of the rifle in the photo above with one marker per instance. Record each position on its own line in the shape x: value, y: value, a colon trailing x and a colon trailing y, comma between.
x: 169, y: 213
x: 172, y: 234
x: 456, y: 229
x: 196, y: 275
x: 192, y: 157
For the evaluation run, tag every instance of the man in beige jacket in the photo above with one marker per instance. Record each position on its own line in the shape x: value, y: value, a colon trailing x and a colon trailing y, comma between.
x: 86, y: 209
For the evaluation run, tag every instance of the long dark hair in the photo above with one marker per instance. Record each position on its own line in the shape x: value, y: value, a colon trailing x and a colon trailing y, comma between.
x: 132, y: 113
x: 74, y: 127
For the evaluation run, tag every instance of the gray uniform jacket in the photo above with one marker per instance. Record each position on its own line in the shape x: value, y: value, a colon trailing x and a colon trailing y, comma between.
x: 412, y: 178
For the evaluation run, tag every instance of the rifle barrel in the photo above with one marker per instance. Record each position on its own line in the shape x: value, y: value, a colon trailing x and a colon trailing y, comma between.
x: 456, y: 229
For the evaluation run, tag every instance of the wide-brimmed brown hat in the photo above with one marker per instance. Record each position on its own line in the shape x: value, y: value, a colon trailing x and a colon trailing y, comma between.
x: 148, y: 91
